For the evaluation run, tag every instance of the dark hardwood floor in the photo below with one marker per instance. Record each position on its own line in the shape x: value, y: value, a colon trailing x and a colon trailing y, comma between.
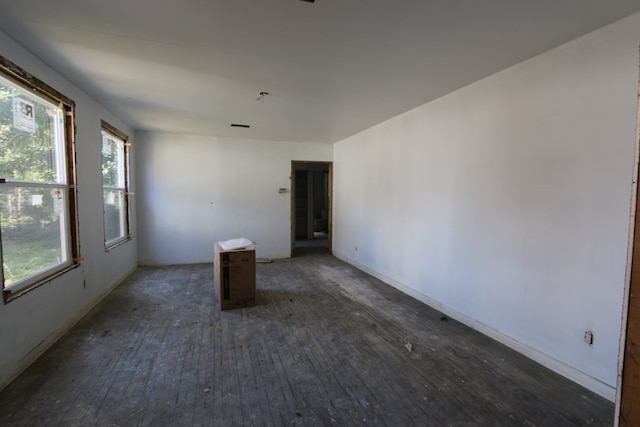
x: 325, y: 345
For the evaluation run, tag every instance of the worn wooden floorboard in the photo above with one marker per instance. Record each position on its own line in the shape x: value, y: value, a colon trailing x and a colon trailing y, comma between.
x: 326, y: 344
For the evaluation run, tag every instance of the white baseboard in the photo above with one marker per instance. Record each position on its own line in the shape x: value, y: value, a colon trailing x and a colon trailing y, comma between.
x: 605, y: 390
x: 45, y: 344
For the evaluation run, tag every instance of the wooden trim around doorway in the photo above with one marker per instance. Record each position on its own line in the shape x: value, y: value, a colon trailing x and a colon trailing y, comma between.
x: 627, y: 407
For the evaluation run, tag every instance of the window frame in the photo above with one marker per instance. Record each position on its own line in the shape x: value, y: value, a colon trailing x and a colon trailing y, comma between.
x: 117, y: 133
x: 21, y: 78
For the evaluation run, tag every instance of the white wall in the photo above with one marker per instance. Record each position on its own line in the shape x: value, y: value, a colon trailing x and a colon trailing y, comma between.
x: 32, y: 322
x: 194, y: 191
x: 506, y: 204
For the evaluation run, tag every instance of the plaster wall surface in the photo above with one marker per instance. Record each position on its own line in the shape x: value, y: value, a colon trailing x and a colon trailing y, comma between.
x: 506, y: 203
x: 195, y: 191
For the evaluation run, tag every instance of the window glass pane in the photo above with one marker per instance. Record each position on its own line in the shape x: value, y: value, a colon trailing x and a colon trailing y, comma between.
x: 36, y: 235
x: 114, y: 214
x: 29, y: 130
x: 114, y: 185
x: 32, y: 230
x: 112, y: 161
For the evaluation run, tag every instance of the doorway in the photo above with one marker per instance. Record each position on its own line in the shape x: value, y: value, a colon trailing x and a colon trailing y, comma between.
x: 311, y: 194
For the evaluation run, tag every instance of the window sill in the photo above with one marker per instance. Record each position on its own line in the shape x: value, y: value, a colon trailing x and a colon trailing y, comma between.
x: 10, y: 295
x: 113, y: 245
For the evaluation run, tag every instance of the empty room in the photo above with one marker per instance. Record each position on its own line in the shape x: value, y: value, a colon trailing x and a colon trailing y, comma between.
x: 438, y: 197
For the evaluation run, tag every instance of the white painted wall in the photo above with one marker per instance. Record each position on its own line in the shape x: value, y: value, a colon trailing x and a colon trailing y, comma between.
x: 32, y: 322
x: 194, y: 191
x: 506, y: 204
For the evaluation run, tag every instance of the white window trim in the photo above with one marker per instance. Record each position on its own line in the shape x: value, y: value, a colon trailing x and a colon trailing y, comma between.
x: 17, y: 77
x: 115, y: 133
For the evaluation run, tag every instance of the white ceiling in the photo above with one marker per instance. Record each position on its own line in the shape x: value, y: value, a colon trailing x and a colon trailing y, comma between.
x: 332, y: 68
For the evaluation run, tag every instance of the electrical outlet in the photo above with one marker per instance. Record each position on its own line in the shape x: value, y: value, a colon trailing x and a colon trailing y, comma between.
x: 588, y: 337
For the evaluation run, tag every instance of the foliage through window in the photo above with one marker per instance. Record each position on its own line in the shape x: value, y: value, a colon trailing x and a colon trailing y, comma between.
x: 115, y: 185
x: 37, y: 199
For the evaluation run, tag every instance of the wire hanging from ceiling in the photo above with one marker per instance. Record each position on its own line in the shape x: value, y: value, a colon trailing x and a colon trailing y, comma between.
x: 262, y: 96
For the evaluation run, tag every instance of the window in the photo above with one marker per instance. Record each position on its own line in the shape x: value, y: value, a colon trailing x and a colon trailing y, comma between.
x: 38, y: 231
x: 115, y: 185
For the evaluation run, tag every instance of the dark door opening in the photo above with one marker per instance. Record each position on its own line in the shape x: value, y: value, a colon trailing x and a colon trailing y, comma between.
x: 310, y: 207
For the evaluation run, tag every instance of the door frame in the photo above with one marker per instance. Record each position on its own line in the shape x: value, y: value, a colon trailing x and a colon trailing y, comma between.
x: 292, y: 213
x: 631, y: 304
